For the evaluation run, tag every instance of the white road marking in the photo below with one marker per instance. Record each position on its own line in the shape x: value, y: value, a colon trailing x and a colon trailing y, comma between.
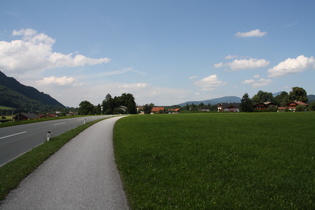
x: 59, y: 123
x: 13, y: 135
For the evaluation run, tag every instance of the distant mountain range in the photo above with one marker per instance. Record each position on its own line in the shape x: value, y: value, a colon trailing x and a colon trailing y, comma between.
x: 24, y: 98
x: 232, y: 99
x: 226, y: 99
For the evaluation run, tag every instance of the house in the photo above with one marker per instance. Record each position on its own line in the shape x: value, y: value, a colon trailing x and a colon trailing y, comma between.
x: 47, y: 116
x: 293, y: 104
x: 173, y: 111
x: 229, y: 107
x: 204, y: 109
x: 140, y: 109
x: 26, y: 116
x: 157, y: 110
x: 264, y: 105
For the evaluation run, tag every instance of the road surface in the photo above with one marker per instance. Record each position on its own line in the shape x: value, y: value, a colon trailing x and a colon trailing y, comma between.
x: 81, y: 175
x: 16, y: 140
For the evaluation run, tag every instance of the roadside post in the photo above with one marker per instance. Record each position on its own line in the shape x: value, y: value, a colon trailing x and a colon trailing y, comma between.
x: 48, y: 135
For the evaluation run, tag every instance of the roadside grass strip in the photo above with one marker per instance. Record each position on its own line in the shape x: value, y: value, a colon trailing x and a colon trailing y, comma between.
x: 209, y: 161
x: 12, y: 173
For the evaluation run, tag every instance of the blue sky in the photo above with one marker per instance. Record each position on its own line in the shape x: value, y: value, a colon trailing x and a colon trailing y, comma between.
x: 163, y: 52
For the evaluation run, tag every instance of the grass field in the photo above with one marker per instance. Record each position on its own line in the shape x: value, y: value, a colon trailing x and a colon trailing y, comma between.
x: 206, y: 161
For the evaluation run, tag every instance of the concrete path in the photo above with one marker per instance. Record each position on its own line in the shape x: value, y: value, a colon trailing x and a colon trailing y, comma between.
x: 81, y: 175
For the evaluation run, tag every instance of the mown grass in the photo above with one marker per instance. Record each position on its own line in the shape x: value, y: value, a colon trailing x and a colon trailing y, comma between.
x: 15, y: 171
x: 206, y: 161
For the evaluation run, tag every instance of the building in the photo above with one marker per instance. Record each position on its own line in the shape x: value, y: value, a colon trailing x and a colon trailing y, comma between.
x: 264, y: 105
x: 293, y: 104
x: 229, y: 107
x: 158, y: 110
x: 26, y: 116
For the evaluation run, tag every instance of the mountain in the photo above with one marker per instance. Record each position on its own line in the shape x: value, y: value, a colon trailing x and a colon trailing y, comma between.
x: 311, y: 98
x: 226, y: 99
x: 24, y: 98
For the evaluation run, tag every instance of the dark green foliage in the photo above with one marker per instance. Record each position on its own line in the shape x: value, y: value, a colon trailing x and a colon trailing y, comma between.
x: 246, y: 104
x: 261, y: 97
x: 311, y: 106
x: 24, y: 98
x: 147, y: 108
x: 86, y: 108
x: 124, y: 104
x: 298, y: 94
x: 283, y: 99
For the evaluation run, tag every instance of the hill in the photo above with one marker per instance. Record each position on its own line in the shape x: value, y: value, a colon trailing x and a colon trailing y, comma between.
x: 311, y: 98
x: 226, y: 99
x: 24, y: 98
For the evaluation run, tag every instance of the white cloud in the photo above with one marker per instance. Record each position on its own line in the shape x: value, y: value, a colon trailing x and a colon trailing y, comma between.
x: 244, y: 64
x: 248, y: 81
x: 257, y: 83
x: 193, y: 77
x: 133, y: 86
x: 209, y: 83
x: 219, y: 65
x: 292, y: 66
x: 252, y: 33
x: 34, y: 53
x: 230, y: 57
x: 58, y: 81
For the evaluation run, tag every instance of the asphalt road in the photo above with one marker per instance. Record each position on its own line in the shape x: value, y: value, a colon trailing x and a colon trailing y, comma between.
x: 16, y: 140
x: 81, y: 175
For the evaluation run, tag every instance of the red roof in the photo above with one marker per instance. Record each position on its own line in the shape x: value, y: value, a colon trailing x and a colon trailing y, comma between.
x: 157, y: 109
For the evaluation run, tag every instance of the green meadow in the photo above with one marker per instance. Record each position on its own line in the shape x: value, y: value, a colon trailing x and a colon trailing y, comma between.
x: 218, y: 160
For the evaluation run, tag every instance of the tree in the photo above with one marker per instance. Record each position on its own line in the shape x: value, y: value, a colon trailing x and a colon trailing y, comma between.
x: 300, y: 108
x: 114, y: 105
x: 246, y: 104
x: 283, y: 99
x: 298, y: 94
x: 86, y: 108
x: 147, y: 108
x: 262, y: 96
x: 311, y: 106
x: 108, y: 104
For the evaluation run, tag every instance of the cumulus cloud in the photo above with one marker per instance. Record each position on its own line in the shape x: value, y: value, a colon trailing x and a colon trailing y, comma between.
x: 252, y: 33
x: 239, y: 64
x: 33, y: 52
x: 58, y: 81
x: 257, y: 83
x: 209, y: 83
x: 292, y: 66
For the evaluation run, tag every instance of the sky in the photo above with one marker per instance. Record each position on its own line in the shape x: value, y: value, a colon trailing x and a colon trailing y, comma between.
x: 163, y: 52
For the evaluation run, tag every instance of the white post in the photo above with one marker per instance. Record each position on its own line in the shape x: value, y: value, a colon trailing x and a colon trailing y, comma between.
x: 84, y: 121
x: 48, y: 135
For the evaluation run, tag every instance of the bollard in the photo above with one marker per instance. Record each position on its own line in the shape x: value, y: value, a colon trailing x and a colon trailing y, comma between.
x: 84, y: 121
x: 48, y: 135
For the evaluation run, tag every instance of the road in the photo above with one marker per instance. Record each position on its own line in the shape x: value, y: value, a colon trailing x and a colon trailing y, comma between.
x: 81, y: 175
x: 16, y: 140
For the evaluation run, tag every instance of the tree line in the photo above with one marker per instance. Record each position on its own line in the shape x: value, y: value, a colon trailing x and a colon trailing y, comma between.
x: 281, y: 100
x: 124, y: 104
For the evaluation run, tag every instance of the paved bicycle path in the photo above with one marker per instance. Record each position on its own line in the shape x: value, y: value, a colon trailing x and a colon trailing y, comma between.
x: 81, y: 175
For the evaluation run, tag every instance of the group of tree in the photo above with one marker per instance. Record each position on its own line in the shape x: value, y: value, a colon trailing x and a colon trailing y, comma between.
x: 282, y: 100
x: 124, y: 104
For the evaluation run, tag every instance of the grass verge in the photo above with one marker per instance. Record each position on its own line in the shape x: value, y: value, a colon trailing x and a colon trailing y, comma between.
x: 15, y: 171
x: 208, y: 161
